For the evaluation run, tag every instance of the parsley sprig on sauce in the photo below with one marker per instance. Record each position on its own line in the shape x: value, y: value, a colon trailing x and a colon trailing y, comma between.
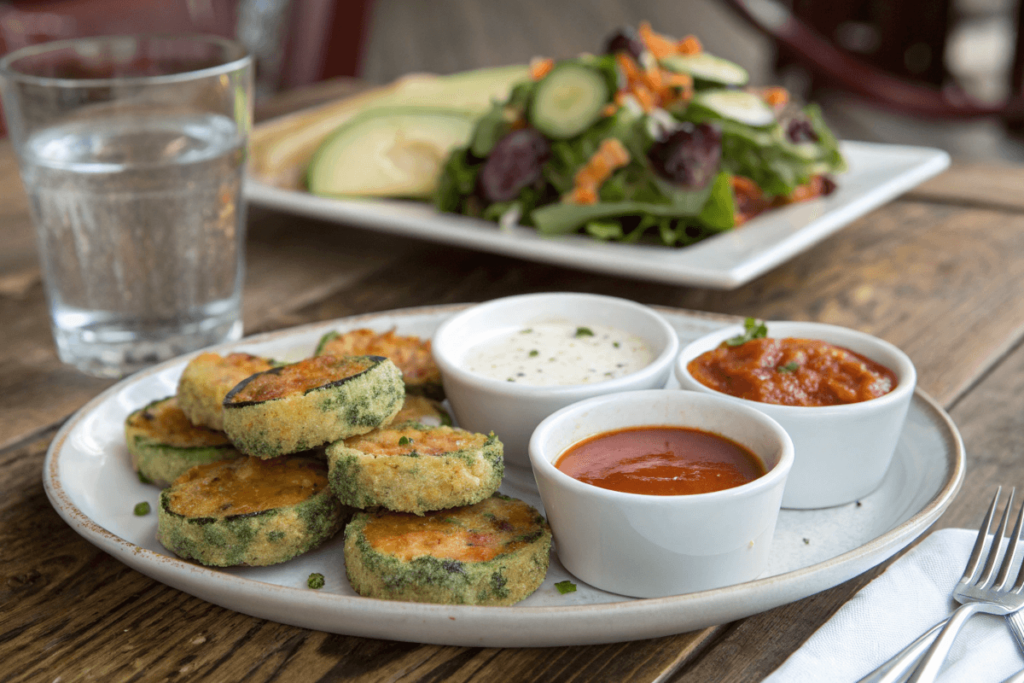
x: 752, y: 329
x: 791, y: 366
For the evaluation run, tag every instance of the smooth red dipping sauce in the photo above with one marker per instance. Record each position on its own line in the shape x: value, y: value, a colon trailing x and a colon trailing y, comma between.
x: 661, y: 461
x: 792, y: 372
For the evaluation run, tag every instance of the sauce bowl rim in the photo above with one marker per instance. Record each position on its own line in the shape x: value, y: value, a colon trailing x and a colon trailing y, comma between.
x: 449, y: 366
x: 540, y: 461
x: 906, y: 373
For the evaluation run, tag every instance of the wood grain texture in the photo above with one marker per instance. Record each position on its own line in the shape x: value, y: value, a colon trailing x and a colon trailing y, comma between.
x: 935, y: 273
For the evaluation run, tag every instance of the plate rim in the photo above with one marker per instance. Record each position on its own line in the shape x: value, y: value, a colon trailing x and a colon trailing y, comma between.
x: 362, y: 213
x: 784, y: 588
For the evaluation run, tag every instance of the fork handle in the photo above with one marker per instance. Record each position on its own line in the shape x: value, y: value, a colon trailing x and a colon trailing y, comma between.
x: 928, y: 670
x: 902, y: 664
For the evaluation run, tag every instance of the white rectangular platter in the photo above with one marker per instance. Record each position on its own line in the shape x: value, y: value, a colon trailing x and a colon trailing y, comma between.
x: 878, y: 174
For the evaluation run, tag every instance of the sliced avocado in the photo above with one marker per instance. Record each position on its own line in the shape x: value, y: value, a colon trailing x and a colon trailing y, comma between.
x: 388, y: 153
x: 287, y: 145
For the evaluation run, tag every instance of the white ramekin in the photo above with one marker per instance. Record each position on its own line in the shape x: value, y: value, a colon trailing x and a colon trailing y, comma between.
x: 513, y: 411
x: 653, y: 546
x: 844, y: 451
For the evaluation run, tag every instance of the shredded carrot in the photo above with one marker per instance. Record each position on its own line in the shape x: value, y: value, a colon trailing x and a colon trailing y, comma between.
x: 609, y: 109
x: 540, y: 67
x: 610, y: 156
x: 674, y: 80
x: 689, y: 45
x: 659, y: 45
x: 749, y: 199
x: 630, y: 69
x: 645, y: 97
x: 813, y: 188
x: 583, y: 195
x: 652, y: 79
x: 775, y: 97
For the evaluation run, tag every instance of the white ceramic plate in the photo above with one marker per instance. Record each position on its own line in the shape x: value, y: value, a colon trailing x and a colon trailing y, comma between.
x: 90, y: 482
x: 878, y: 174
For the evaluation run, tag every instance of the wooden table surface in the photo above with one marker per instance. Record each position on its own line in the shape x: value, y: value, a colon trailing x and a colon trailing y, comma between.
x: 937, y: 272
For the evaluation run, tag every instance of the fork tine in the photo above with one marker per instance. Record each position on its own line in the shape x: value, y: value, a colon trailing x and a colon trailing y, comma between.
x: 1011, y: 552
x: 997, y: 541
x: 975, y: 559
x: 996, y: 545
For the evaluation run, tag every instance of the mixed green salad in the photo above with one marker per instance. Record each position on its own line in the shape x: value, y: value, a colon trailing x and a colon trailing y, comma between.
x: 653, y: 140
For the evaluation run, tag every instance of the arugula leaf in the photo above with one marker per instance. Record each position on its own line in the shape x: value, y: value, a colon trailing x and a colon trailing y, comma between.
x: 719, y: 212
x: 458, y: 179
x: 752, y: 329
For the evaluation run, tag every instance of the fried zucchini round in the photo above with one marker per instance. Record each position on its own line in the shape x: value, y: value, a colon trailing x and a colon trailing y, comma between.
x: 164, y: 445
x: 300, y: 406
x: 411, y: 354
x: 495, y: 552
x: 415, y: 468
x: 422, y: 410
x: 249, y: 511
x: 208, y: 378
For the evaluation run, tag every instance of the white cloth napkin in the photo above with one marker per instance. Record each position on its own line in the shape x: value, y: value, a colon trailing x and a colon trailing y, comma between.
x: 911, y: 596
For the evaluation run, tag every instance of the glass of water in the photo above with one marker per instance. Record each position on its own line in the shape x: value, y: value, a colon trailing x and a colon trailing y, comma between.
x: 132, y: 152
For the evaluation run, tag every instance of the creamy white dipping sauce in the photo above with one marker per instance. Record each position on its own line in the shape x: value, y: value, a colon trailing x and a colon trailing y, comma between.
x: 559, y: 354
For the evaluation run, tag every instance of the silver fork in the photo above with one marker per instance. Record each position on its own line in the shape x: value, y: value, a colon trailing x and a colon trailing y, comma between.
x: 897, y: 668
x: 980, y: 593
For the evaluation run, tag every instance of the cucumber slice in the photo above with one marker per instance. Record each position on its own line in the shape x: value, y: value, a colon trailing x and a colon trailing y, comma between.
x: 736, y: 105
x: 388, y: 153
x: 568, y: 101
x: 707, y: 67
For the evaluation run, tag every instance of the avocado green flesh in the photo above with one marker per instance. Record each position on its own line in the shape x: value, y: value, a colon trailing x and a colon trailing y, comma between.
x: 393, y: 153
x: 471, y: 92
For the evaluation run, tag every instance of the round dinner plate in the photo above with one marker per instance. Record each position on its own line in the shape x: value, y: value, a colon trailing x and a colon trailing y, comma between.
x: 89, y: 480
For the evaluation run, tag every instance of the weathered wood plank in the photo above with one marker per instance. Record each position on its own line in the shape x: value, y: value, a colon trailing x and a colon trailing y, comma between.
x: 978, y: 184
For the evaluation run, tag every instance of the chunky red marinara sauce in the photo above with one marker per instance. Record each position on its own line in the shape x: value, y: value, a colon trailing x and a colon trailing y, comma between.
x: 661, y: 461
x: 792, y: 372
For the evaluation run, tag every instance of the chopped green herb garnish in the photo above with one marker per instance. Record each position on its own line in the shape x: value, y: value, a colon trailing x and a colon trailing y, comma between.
x: 404, y: 441
x: 141, y: 509
x: 565, y: 587
x: 615, y: 344
x: 791, y: 366
x: 528, y: 330
x: 752, y: 329
x: 315, y: 581
x: 510, y: 380
x: 534, y: 353
x: 584, y: 332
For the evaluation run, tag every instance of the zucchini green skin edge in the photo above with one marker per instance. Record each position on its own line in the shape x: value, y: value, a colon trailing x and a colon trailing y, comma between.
x: 351, y: 406
x: 503, y: 581
x: 255, y: 540
x: 160, y: 463
x: 433, y: 390
x: 415, y: 483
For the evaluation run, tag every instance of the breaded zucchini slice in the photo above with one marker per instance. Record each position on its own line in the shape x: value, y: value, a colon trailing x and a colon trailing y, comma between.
x: 422, y: 410
x: 411, y: 354
x: 164, y: 444
x: 415, y: 468
x: 300, y: 406
x: 492, y: 553
x: 249, y: 511
x: 208, y: 378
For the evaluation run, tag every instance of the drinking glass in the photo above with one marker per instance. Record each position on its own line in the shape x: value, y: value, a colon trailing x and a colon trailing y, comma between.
x: 132, y: 151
